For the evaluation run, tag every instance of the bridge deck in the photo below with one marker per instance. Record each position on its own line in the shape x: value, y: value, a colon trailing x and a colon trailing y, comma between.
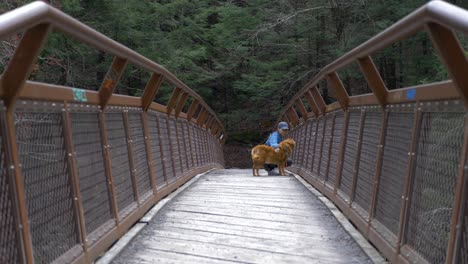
x: 228, y: 216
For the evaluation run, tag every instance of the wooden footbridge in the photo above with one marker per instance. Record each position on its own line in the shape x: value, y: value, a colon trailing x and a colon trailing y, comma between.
x: 80, y: 168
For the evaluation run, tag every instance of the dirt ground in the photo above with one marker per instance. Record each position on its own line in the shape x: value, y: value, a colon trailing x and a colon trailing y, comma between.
x: 237, y: 156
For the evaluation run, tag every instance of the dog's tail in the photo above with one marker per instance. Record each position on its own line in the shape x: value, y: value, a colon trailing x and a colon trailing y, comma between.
x: 255, y: 155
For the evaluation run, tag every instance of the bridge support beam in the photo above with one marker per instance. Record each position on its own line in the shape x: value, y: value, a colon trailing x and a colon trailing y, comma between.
x: 452, y: 56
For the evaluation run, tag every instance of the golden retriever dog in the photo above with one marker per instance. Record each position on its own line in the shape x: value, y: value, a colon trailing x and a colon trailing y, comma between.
x: 262, y: 154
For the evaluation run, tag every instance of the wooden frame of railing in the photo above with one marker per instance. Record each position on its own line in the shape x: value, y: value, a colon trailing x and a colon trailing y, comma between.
x: 439, y: 19
x: 37, y: 20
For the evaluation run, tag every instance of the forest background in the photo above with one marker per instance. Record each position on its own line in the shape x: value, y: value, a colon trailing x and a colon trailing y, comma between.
x: 245, y: 58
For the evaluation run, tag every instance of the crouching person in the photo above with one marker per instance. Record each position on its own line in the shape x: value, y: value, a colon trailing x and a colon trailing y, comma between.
x: 273, y: 141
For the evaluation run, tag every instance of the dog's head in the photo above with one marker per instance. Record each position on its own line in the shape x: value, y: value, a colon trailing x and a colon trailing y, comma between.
x: 287, y: 145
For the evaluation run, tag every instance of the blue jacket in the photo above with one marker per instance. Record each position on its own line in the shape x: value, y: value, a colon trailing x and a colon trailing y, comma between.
x: 274, y: 139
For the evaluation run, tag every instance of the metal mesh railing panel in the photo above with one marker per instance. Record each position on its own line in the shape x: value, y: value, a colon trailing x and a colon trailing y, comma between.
x: 318, y: 146
x: 306, y: 131
x: 203, y: 145
x: 175, y: 147
x: 192, y: 144
x: 311, y: 134
x: 45, y: 172
x: 86, y: 134
x: 326, y: 147
x: 335, y: 148
x: 140, y: 158
x: 156, y: 150
x: 183, y: 144
x: 394, y: 169
x: 166, y: 148
x: 300, y: 144
x: 366, y: 171
x: 435, y: 174
x: 293, y: 135
x: 188, y: 144
x: 350, y: 153
x: 195, y: 146
x: 118, y: 151
x: 9, y: 247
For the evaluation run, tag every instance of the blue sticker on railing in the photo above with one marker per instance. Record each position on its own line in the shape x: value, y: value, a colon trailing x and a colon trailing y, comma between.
x: 79, y: 95
x: 411, y: 94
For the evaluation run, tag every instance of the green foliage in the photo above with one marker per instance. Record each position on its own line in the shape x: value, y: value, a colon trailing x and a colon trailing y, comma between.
x: 245, y: 58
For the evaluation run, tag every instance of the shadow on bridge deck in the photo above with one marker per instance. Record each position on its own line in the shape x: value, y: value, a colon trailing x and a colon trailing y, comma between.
x: 229, y: 216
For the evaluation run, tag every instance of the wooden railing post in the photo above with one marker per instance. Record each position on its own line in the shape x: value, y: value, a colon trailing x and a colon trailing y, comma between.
x: 131, y: 159
x: 340, y: 158
x: 341, y: 95
x: 108, y: 167
x: 302, y: 109
x: 409, y: 180
x: 374, y: 80
x: 173, y: 101
x: 318, y: 100
x: 358, y: 156
x: 452, y: 56
x: 151, y: 90
x: 460, y: 201
x: 311, y: 101
x: 13, y: 79
x: 181, y: 104
x: 110, y: 81
x: 73, y: 174
x: 378, y: 165
x: 149, y: 153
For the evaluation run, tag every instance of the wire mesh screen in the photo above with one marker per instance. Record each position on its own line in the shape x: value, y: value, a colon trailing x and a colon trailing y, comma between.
x: 201, y: 133
x: 196, y: 141
x: 9, y: 247
x: 166, y: 148
x: 318, y: 146
x: 300, y: 135
x: 183, y: 144
x: 86, y: 134
x: 300, y: 144
x: 311, y: 134
x: 335, y: 148
x: 350, y: 153
x: 305, y: 144
x: 434, y: 180
x: 366, y: 171
x: 211, y: 146
x: 156, y: 150
x: 173, y: 134
x: 140, y: 158
x: 195, y: 146
x: 188, y: 144
x: 45, y: 172
x: 463, y: 249
x: 394, y: 169
x: 293, y: 135
x: 202, y: 146
x: 327, y: 137
x: 118, y: 151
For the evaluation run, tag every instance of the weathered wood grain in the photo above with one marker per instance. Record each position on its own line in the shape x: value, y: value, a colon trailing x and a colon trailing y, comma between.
x: 229, y: 216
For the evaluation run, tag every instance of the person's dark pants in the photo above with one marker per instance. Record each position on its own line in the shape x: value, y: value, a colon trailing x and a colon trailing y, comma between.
x: 270, y: 167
